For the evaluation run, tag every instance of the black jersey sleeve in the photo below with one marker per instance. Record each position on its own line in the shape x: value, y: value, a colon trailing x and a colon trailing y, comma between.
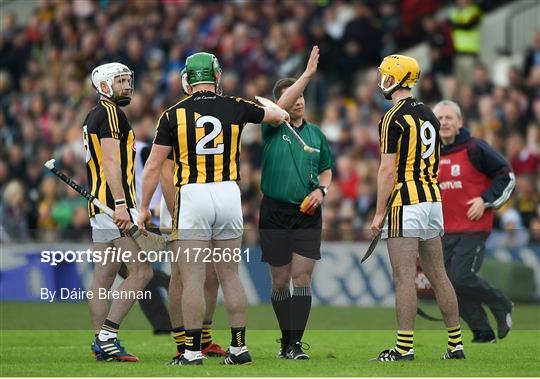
x: 109, y: 122
x: 389, y: 132
x: 249, y: 111
x: 163, y: 131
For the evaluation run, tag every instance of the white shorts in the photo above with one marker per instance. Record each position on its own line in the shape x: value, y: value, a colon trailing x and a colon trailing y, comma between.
x: 208, y: 211
x: 165, y: 219
x: 423, y: 220
x: 104, y: 229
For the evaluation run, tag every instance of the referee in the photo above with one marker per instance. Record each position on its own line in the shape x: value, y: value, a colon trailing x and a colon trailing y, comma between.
x: 294, y: 184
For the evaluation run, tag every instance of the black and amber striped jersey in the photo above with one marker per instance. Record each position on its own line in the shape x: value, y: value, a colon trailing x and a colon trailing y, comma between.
x: 107, y: 120
x: 204, y: 131
x: 411, y: 131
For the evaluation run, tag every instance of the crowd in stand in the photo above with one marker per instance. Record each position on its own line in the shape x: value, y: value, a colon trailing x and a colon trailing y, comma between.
x: 45, y: 93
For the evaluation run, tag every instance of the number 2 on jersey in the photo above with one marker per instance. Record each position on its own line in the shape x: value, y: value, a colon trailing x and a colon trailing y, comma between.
x: 430, y: 140
x: 200, y: 148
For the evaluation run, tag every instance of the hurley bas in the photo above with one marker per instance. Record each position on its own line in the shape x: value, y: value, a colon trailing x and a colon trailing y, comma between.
x: 102, y: 294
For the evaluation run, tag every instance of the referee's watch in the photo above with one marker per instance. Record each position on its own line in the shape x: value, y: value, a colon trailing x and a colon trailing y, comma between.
x: 323, y: 189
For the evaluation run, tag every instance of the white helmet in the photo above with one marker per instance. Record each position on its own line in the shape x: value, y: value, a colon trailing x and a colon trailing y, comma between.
x: 106, y: 73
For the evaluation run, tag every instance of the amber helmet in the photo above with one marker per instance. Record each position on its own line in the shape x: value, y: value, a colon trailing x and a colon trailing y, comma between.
x: 404, y: 71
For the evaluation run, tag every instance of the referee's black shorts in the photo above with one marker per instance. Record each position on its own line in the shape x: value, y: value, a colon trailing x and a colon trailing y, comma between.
x: 284, y: 230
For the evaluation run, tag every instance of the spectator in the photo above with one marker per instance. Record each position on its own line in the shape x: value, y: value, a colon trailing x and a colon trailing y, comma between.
x: 347, y: 178
x: 47, y: 201
x: 468, y: 104
x: 441, y: 47
x: 526, y: 199
x: 360, y: 41
x: 429, y: 90
x: 522, y: 159
x: 465, y: 19
x: 17, y: 163
x: 535, y: 231
x: 532, y: 56
x: 389, y: 25
x: 533, y: 83
x: 512, y: 236
x: 13, y: 214
x: 533, y: 130
x: 513, y: 120
x: 482, y: 86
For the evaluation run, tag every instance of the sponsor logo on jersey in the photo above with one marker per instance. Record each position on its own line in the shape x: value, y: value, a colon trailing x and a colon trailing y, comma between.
x: 452, y: 184
x: 455, y: 170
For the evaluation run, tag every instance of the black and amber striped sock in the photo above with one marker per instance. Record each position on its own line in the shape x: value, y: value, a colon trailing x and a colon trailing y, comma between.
x: 206, y: 338
x: 454, y: 337
x: 238, y: 337
x: 108, y: 330
x: 404, y: 341
x: 179, y: 336
x: 193, y: 339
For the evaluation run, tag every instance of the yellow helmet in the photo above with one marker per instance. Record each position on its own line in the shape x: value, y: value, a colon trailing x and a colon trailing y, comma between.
x: 403, y: 69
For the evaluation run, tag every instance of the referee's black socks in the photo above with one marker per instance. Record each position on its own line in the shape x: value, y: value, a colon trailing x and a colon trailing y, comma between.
x: 300, y: 308
x: 281, y: 302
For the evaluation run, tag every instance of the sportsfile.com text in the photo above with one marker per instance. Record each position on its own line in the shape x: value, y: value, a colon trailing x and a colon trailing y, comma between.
x: 113, y: 254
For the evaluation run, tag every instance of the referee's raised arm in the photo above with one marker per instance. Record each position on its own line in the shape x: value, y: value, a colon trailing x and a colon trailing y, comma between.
x: 288, y: 98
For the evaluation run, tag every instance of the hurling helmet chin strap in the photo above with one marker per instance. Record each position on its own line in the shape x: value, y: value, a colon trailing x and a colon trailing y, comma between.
x: 388, y: 95
x: 122, y: 101
x: 219, y: 89
x: 186, y: 88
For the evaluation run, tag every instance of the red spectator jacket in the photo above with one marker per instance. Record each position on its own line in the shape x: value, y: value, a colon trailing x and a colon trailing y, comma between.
x: 469, y: 168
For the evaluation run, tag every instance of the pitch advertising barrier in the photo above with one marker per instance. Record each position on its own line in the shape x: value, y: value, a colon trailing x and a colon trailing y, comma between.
x: 339, y: 278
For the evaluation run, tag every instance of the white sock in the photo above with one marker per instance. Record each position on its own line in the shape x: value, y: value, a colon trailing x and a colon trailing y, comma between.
x: 235, y: 350
x: 105, y: 335
x: 191, y: 355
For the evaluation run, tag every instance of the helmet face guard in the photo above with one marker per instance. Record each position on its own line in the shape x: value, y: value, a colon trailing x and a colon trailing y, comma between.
x: 389, y: 89
x: 107, y: 73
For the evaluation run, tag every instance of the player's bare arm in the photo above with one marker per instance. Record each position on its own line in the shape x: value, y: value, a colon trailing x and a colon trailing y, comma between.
x: 288, y: 98
x: 113, y: 174
x: 151, y: 174
x: 385, y: 183
x: 167, y: 186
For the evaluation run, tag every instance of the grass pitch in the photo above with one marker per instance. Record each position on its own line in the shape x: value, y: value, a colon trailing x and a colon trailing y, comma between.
x: 342, y: 340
